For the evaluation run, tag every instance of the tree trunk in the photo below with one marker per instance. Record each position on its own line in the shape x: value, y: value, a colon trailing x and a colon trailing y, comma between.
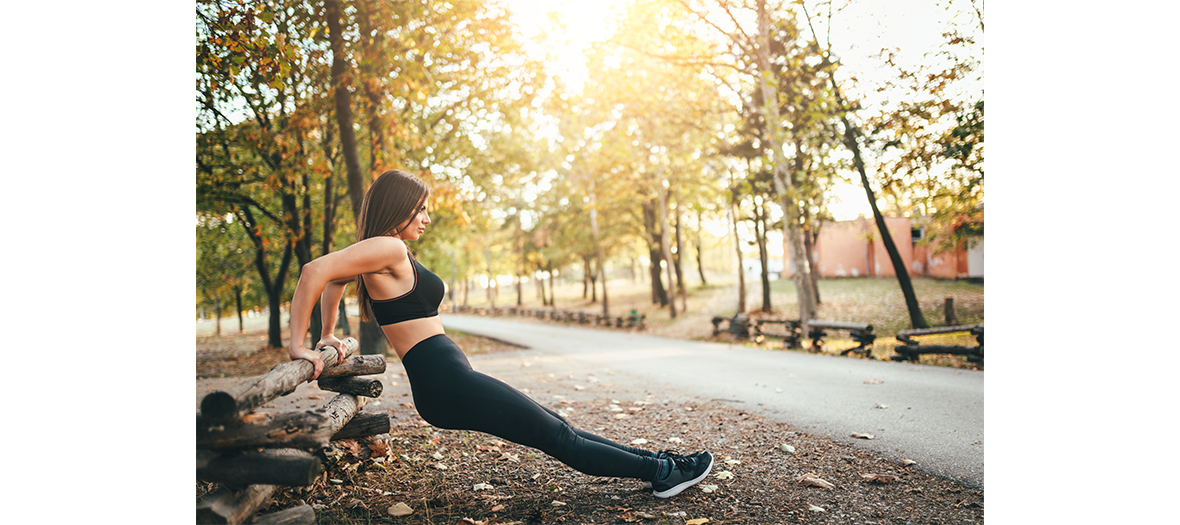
x: 342, y: 318
x: 809, y: 240
x: 217, y: 312
x: 372, y: 339
x: 655, y: 254
x: 227, y: 405
x: 782, y: 180
x: 763, y: 256
x: 238, y: 302
x: 737, y: 244
x: 680, y: 250
x: 700, y: 257
x: 664, y: 244
x: 598, y: 251
x: 917, y: 320
x: 552, y: 288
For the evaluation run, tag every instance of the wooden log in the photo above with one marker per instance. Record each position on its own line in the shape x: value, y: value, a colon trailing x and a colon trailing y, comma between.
x: 361, y: 386
x: 840, y: 325
x: 364, y: 424
x: 301, y: 515
x: 230, y: 507
x: 304, y: 429
x: 288, y: 467
x: 227, y: 405
x: 300, y: 429
x: 939, y: 330
x: 357, y: 365
x: 341, y: 409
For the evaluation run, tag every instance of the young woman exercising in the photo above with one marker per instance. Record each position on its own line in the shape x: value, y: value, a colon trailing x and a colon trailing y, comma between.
x: 403, y: 296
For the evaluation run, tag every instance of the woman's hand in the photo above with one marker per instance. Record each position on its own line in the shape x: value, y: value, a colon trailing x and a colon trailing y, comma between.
x: 332, y: 341
x: 310, y: 355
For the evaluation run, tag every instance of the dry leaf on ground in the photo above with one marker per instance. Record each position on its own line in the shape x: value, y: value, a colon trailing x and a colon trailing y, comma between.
x: 400, y: 509
x: 862, y: 436
x: 880, y: 478
x: 812, y: 479
x: 697, y: 521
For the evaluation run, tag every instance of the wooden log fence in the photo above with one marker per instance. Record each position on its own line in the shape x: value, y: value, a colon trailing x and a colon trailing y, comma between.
x: 862, y: 334
x: 911, y: 348
x: 632, y: 319
x: 252, y: 453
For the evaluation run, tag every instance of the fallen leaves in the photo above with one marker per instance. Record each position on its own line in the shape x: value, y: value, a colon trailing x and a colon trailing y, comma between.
x: 786, y: 448
x: 812, y: 479
x: 708, y: 488
x: 813, y: 508
x: 481, y: 486
x: 400, y: 509
x: 873, y: 382
x: 863, y: 436
x: 697, y: 521
x: 883, y: 479
x: 557, y: 503
x: 724, y: 474
x: 639, y: 441
x: 908, y: 462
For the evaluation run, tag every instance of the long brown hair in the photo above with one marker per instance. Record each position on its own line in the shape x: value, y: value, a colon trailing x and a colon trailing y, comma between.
x: 392, y: 199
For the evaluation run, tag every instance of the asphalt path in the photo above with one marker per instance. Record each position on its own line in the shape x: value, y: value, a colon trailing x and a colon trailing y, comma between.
x: 932, y: 415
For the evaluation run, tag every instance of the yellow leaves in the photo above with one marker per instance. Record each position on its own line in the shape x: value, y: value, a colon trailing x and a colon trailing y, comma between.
x: 697, y: 521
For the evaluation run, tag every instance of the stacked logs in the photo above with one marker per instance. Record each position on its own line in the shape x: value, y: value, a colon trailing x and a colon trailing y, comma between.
x: 250, y: 453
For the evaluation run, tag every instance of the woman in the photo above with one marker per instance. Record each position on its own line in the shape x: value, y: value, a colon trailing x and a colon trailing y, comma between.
x: 403, y: 296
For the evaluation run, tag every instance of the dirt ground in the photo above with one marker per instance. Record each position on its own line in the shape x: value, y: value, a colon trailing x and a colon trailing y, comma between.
x: 765, y: 472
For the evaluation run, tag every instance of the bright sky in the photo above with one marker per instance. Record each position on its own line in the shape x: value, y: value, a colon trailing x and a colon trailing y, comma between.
x: 859, y: 32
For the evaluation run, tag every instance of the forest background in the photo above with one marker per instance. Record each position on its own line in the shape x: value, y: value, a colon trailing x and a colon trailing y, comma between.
x: 695, y: 122
x: 107, y: 91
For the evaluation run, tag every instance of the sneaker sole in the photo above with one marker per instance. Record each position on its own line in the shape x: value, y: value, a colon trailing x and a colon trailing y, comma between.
x: 677, y: 489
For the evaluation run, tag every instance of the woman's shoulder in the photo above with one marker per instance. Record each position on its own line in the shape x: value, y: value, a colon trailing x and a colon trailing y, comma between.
x: 384, y: 246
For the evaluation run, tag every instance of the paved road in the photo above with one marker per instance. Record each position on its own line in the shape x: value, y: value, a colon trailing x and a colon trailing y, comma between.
x: 932, y: 415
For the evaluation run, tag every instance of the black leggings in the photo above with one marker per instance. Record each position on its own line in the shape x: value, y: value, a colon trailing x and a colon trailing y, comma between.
x: 449, y: 394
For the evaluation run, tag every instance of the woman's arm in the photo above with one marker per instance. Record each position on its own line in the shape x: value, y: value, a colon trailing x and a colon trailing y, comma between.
x: 368, y: 256
x: 329, y: 305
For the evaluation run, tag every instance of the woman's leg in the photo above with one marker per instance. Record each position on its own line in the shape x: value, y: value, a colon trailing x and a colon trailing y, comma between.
x: 449, y: 394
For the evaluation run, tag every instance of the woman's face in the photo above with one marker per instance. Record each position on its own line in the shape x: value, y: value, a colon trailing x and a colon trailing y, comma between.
x: 413, y: 228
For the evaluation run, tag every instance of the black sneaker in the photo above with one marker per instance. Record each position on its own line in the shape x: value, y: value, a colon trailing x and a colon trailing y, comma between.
x: 686, y: 472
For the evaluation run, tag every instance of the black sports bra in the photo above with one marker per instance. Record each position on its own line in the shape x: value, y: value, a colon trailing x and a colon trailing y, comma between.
x: 421, y: 301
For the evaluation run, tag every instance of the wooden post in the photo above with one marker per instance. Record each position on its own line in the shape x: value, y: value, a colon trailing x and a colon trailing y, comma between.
x: 232, y: 507
x: 361, y: 386
x: 289, y: 467
x: 949, y: 310
x: 301, y: 515
x: 227, y: 405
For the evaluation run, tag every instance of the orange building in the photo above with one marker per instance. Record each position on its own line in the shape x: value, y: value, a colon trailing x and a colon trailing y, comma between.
x: 854, y: 249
